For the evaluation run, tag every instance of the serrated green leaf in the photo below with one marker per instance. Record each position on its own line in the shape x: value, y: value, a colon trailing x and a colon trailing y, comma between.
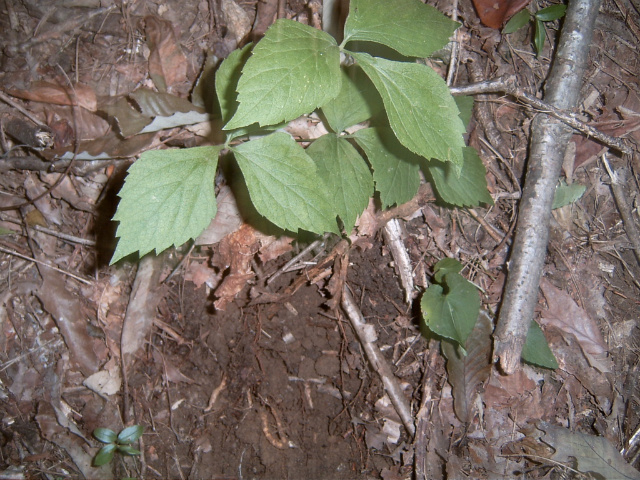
x: 127, y: 450
x: 130, y: 434
x: 444, y: 266
x: 293, y: 70
x: 357, y: 101
x: 168, y: 198
x: 536, y: 349
x: 346, y: 174
x: 451, y: 313
x: 518, y: 21
x: 566, y: 194
x: 284, y: 185
x: 465, y: 106
x: 553, y: 12
x: 421, y: 111
x: 227, y: 77
x: 104, y: 455
x: 539, y: 37
x: 396, y: 172
x: 105, y: 435
x: 408, y: 26
x: 467, y: 190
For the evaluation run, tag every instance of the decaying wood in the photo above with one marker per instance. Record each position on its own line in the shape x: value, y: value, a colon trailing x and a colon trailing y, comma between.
x: 550, y: 138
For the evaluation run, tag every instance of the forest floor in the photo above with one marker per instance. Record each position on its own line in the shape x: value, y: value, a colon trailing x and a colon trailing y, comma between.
x: 275, y: 384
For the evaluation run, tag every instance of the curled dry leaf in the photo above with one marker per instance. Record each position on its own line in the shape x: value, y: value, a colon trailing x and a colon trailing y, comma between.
x: 47, y: 92
x: 495, y: 13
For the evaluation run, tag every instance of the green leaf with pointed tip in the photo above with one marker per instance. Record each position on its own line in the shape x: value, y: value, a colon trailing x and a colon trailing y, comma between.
x: 128, y: 450
x: 553, y: 12
x: 421, y: 111
x: 104, y: 455
x: 467, y: 190
x: 130, y: 434
x: 518, y: 21
x: 357, y: 101
x: 292, y: 71
x: 167, y: 199
x: 444, y: 266
x: 408, y: 26
x: 451, y: 309
x: 396, y: 171
x: 105, y: 435
x: 284, y: 185
x: 346, y: 174
x: 540, y: 35
x: 536, y: 349
x: 227, y: 77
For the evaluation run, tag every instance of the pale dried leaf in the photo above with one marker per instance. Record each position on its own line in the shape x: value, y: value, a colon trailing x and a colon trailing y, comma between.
x: 226, y: 221
x: 468, y: 373
x: 146, y: 294
x: 274, y: 247
x: 200, y: 273
x: 565, y: 314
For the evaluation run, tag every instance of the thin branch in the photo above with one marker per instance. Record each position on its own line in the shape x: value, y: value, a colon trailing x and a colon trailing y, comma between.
x: 367, y: 336
x: 550, y: 138
x: 508, y: 86
x: 8, y: 251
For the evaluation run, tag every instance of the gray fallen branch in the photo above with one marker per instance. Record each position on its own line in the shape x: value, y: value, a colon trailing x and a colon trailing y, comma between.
x: 367, y: 336
x: 508, y: 86
x: 550, y: 138
x: 393, y: 237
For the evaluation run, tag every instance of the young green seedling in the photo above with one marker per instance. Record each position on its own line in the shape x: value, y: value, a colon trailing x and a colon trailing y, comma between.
x: 548, y: 14
x: 120, y: 443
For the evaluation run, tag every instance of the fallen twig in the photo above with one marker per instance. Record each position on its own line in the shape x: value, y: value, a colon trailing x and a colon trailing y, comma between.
x: 392, y: 234
x: 618, y: 180
x: 508, y: 86
x: 550, y: 138
x: 367, y: 336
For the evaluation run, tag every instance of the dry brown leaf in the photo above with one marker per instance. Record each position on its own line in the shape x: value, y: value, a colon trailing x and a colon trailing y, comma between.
x: 236, y: 20
x: 565, y: 314
x: 236, y: 252
x: 200, y: 273
x: 167, y: 63
x: 47, y: 92
x: 468, y: 373
x: 274, y: 247
x: 67, y: 311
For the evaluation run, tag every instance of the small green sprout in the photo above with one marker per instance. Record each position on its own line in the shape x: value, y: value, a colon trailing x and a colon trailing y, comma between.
x: 120, y: 443
x: 549, y: 14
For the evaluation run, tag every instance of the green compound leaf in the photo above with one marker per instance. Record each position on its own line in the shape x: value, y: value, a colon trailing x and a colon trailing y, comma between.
x: 357, y: 101
x: 104, y: 455
x: 421, y: 111
x: 451, y: 309
x: 167, y: 199
x: 518, y: 21
x: 284, y: 185
x: 346, y: 174
x: 227, y: 77
x: 536, y: 349
x: 467, y: 190
x: 408, y: 26
x: 553, y: 12
x: 105, y: 435
x: 130, y: 434
x: 293, y: 70
x: 396, y: 171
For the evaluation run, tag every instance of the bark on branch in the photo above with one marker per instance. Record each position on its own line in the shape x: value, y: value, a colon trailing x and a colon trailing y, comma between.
x: 550, y: 138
